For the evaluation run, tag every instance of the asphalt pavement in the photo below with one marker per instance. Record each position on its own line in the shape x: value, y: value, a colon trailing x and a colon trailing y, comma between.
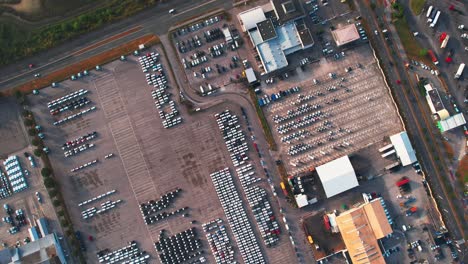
x: 156, y: 20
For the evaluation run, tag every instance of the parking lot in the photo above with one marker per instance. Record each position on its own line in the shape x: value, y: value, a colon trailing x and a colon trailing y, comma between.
x: 147, y: 162
x: 341, y: 107
x: 27, y: 201
x: 209, y: 52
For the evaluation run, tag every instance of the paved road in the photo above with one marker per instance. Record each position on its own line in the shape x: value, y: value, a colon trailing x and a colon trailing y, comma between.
x: 413, y: 113
x: 155, y: 20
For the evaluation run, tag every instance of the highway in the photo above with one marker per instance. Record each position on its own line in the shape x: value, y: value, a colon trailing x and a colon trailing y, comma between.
x: 156, y: 20
x: 417, y: 124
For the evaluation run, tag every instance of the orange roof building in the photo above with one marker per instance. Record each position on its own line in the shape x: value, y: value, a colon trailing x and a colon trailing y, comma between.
x: 361, y: 228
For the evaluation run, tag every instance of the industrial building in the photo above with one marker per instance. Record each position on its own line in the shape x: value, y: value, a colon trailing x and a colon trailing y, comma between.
x: 435, y: 103
x: 276, y: 30
x: 403, y: 148
x: 345, y: 35
x: 43, y: 250
x: 337, y: 176
x: 361, y: 228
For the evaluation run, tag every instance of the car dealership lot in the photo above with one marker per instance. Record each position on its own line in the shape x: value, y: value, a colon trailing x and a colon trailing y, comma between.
x: 147, y: 162
x: 342, y: 107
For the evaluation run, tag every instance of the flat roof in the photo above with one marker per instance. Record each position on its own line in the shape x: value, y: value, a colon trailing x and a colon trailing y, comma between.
x: 301, y: 200
x: 403, y: 148
x: 306, y: 37
x: 451, y: 122
x: 337, y: 176
x: 250, y: 74
x: 287, y: 10
x: 251, y: 17
x: 433, y: 99
x: 267, y: 30
x: 345, y: 35
x: 360, y: 228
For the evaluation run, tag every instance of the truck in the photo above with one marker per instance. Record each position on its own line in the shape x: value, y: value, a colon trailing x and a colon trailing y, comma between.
x: 433, y: 57
x: 411, y: 211
x: 429, y: 11
x: 434, y: 22
x: 460, y: 71
x: 444, y: 42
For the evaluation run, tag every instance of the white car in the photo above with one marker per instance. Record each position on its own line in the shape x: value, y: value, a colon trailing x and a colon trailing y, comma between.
x: 172, y: 11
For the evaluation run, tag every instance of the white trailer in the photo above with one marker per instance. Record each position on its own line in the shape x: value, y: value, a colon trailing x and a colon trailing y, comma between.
x: 202, y: 90
x: 429, y: 11
x: 435, y: 20
x: 388, y: 153
x: 460, y: 71
x: 444, y: 42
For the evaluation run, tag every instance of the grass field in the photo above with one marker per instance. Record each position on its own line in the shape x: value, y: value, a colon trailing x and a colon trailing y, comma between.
x: 417, y: 6
x: 87, y: 64
x: 462, y: 172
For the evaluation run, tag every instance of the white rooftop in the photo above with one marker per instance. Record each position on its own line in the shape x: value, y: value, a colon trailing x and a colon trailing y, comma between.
x: 345, y: 34
x: 337, y: 176
x: 403, y: 148
x: 251, y: 17
x: 250, y: 74
x: 452, y: 122
x: 301, y: 200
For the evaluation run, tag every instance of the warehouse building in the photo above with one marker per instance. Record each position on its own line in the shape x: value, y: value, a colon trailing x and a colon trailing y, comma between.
x: 361, y: 228
x: 403, y: 148
x: 337, y: 176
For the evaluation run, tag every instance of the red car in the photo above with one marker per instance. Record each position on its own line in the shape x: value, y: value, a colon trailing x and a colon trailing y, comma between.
x: 398, y: 81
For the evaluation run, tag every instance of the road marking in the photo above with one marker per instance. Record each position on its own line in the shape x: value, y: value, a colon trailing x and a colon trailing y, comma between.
x: 193, y: 8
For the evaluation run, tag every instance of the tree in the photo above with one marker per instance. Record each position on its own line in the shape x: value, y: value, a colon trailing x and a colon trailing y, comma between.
x: 56, y: 203
x: 45, y: 172
x: 64, y: 222
x: 35, y: 141
x: 423, y: 52
x: 49, y: 182
x: 69, y: 232
x: 18, y: 94
x: 38, y: 152
x: 53, y: 193
x: 28, y: 122
x: 32, y: 132
x: 26, y: 113
x: 61, y: 213
x: 372, y: 5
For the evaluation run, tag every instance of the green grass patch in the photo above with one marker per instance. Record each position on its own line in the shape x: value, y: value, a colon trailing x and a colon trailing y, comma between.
x: 18, y: 43
x: 417, y: 6
x: 265, y: 125
x: 410, y: 44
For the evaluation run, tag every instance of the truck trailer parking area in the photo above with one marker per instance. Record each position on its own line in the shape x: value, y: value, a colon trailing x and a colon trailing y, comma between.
x: 341, y: 108
x: 125, y: 162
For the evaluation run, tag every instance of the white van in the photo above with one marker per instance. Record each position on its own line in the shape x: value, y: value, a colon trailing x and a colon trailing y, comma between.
x: 172, y: 11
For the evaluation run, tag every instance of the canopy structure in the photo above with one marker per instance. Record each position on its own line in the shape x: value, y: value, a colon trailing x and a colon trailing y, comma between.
x: 337, y: 176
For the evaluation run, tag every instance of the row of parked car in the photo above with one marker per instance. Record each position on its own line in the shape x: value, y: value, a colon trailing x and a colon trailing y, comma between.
x: 152, y: 207
x: 80, y: 140
x: 197, y: 26
x: 130, y: 254
x: 266, y: 99
x: 160, y: 94
x: 237, y: 216
x: 84, y: 166
x: 15, y: 175
x: 179, y: 248
x: 219, y: 241
x: 71, y: 117
x: 293, y: 113
x: 302, y: 122
x: 257, y: 197
x: 66, y: 98
x: 73, y: 105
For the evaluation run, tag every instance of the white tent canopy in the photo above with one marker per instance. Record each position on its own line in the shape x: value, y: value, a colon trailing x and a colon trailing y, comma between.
x: 337, y: 176
x: 403, y: 148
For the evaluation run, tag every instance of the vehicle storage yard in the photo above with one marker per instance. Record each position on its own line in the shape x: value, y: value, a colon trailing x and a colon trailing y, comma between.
x: 344, y: 106
x: 127, y: 161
